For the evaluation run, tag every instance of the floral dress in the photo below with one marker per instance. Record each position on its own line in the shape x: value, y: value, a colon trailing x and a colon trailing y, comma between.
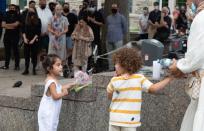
x: 57, y: 45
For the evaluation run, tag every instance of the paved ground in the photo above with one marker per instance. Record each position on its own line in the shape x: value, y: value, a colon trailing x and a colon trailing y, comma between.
x: 9, y: 77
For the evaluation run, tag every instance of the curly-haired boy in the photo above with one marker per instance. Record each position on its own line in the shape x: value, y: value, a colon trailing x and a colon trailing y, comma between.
x: 125, y: 90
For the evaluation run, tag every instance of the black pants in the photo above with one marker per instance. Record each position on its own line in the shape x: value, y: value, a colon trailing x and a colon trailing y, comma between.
x: 30, y: 51
x: 143, y: 36
x: 11, y: 43
x: 44, y: 43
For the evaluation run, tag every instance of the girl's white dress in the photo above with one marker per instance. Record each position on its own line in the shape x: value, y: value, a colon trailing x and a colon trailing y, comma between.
x: 49, y: 110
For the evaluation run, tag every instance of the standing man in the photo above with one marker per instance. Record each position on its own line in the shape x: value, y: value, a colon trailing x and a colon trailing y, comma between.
x: 154, y: 17
x: 45, y: 16
x: 116, y: 30
x: 73, y: 20
x: 143, y: 23
x: 163, y: 26
x: 194, y: 62
x: 95, y: 21
x: 11, y: 23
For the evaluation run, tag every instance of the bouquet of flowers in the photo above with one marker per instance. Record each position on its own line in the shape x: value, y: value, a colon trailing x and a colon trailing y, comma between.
x: 82, y: 80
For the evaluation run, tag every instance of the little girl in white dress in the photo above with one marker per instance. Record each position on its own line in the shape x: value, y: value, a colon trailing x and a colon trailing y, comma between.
x: 50, y: 105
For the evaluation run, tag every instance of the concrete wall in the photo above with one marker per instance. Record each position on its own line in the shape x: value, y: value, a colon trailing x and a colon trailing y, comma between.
x: 88, y: 109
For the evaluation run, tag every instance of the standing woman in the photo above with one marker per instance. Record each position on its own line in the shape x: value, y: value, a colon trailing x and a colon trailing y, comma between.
x: 31, y: 32
x: 82, y: 37
x: 57, y: 28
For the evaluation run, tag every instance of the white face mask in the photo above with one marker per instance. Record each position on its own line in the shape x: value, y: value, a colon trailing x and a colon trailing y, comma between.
x: 91, y: 9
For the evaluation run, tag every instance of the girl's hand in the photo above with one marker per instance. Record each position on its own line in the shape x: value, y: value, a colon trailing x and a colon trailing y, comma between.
x: 65, y: 92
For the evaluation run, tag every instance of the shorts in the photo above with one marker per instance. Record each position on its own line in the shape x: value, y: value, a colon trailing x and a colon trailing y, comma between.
x: 119, y: 128
x: 69, y: 42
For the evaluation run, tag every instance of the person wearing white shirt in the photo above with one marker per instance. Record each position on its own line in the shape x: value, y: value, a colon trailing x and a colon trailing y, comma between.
x: 143, y: 23
x: 45, y: 16
x: 193, y: 62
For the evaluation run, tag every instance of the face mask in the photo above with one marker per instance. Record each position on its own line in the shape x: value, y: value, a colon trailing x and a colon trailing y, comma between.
x: 114, y: 11
x: 91, y: 9
x: 42, y: 6
x: 12, y: 11
x: 66, y: 10
x: 193, y: 8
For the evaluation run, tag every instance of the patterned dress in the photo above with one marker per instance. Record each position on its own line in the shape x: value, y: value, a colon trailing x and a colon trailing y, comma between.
x: 57, y: 45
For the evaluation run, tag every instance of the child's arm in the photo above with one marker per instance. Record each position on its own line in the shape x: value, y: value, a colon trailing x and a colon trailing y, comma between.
x: 52, y: 91
x: 68, y: 86
x: 110, y: 91
x: 160, y: 85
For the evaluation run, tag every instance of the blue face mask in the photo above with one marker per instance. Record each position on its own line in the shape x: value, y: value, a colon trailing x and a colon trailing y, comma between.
x: 193, y: 8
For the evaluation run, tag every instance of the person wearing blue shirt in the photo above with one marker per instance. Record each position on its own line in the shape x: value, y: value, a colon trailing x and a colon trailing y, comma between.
x: 117, y: 28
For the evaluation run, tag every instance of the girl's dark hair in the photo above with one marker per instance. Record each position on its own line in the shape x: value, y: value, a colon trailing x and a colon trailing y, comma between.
x: 49, y: 61
x: 30, y: 21
x: 129, y: 59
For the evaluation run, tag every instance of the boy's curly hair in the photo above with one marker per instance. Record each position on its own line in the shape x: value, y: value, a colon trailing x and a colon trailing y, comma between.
x: 129, y: 59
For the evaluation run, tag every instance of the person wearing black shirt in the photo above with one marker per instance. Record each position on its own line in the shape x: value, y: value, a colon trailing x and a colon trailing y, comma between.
x: 154, y: 16
x: 31, y: 31
x: 182, y: 22
x: 31, y: 4
x: 73, y: 20
x: 1, y: 17
x: 95, y: 21
x: 164, y: 26
x: 11, y: 23
x: 83, y: 12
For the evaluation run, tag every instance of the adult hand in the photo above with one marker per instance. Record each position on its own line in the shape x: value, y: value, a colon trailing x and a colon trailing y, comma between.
x: 175, y: 71
x: 32, y: 41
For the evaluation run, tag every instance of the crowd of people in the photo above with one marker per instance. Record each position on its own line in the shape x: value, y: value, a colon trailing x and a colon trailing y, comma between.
x: 55, y: 29
x: 159, y: 24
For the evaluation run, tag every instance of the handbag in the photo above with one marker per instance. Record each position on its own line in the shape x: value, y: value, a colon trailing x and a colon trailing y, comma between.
x: 194, y: 87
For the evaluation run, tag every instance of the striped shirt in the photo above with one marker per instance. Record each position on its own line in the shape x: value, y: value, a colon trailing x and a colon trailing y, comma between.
x: 126, y: 101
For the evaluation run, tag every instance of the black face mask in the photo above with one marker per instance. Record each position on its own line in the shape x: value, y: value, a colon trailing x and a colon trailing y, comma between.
x: 11, y: 11
x: 42, y: 6
x: 66, y: 10
x: 114, y: 11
